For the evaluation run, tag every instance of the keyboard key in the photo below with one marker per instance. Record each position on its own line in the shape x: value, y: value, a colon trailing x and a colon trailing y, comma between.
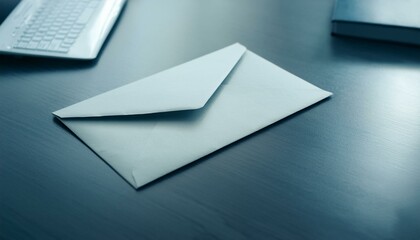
x: 62, y: 31
x: 21, y: 45
x: 63, y: 49
x: 51, y: 33
x: 60, y: 36
x: 32, y: 45
x: 24, y: 39
x: 48, y: 38
x: 43, y: 45
x: 43, y: 29
x: 54, y: 45
x: 72, y: 35
x: 65, y: 45
x: 69, y: 41
x: 37, y: 38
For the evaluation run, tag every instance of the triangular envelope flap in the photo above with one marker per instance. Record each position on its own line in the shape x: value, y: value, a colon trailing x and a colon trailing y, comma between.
x: 184, y: 87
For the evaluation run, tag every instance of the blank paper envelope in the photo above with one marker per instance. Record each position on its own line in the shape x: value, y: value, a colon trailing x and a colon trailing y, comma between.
x: 155, y: 125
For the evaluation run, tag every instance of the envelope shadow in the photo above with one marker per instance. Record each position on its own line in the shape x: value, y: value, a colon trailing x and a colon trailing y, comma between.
x: 176, y: 116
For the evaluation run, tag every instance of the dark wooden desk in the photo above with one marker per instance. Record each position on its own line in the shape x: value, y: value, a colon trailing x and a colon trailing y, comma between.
x: 348, y: 168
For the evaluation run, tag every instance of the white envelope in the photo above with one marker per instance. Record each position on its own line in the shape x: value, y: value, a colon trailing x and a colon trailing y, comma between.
x: 155, y: 125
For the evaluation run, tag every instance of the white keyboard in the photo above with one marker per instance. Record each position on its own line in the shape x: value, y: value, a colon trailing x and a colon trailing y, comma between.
x: 55, y: 26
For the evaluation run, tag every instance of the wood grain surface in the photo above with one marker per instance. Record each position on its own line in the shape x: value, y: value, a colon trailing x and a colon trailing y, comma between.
x: 346, y: 168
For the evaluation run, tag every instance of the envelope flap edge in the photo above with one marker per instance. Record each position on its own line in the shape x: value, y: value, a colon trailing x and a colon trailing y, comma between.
x: 185, y: 87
